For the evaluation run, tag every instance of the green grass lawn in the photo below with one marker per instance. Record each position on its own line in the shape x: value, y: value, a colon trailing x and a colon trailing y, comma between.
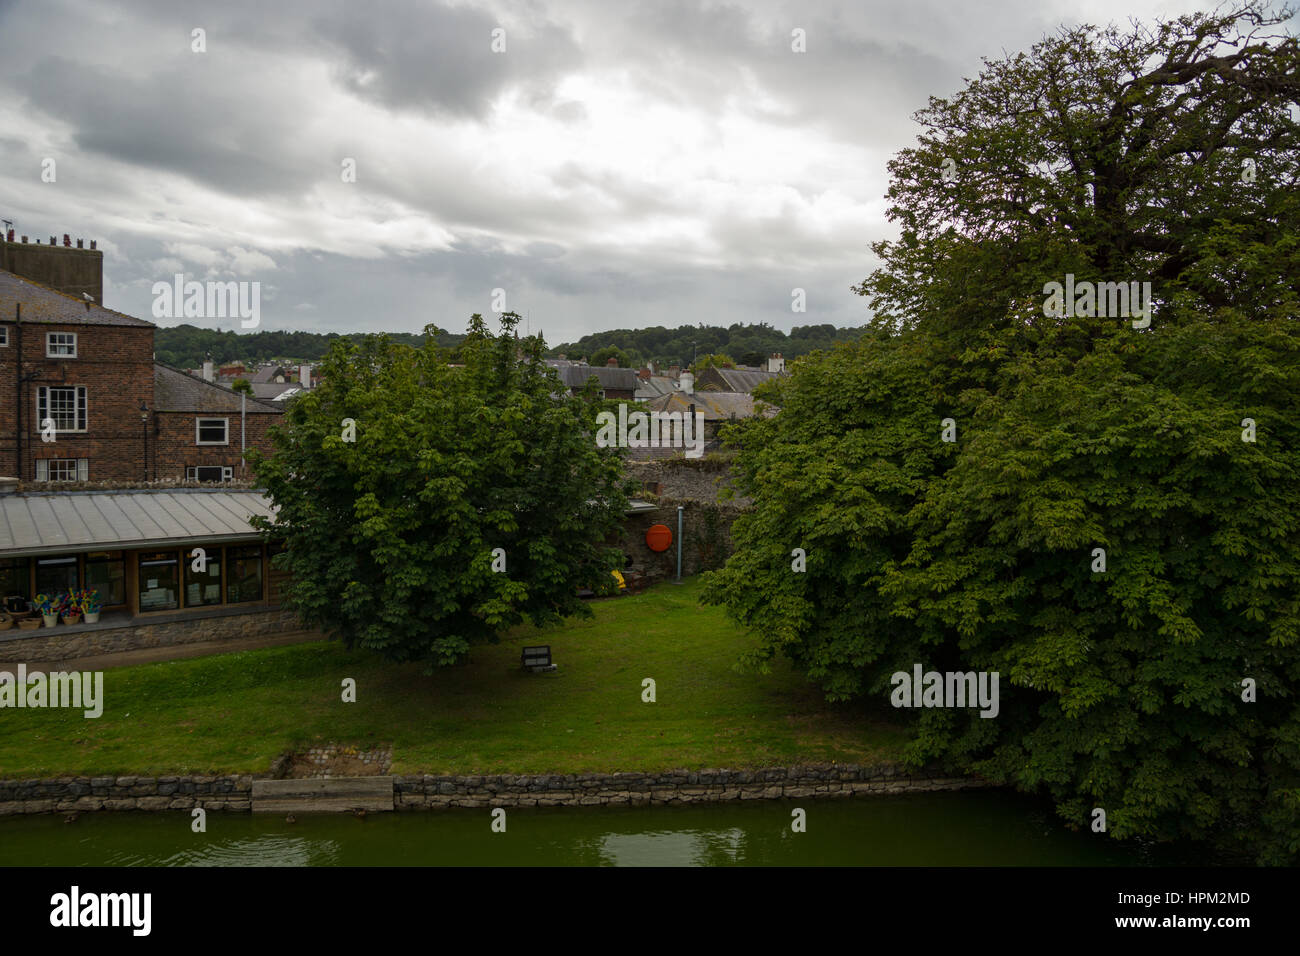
x: 234, y: 713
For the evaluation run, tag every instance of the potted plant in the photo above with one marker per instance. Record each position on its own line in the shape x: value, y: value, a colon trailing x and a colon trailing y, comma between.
x: 46, y: 606
x: 91, y: 606
x: 69, y: 608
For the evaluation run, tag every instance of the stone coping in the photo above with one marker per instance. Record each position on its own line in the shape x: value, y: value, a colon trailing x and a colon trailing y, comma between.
x: 429, y: 792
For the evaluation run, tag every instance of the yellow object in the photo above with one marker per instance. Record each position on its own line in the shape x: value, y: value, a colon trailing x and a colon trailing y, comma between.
x: 619, y: 578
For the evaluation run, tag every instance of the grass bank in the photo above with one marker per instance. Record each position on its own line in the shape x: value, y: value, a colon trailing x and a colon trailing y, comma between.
x: 234, y: 713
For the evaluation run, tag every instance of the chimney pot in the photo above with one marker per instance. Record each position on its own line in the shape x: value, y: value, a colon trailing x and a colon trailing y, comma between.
x: 52, y: 242
x: 11, y: 235
x: 79, y: 246
x: 92, y: 243
x: 24, y: 239
x: 611, y: 363
x: 67, y: 240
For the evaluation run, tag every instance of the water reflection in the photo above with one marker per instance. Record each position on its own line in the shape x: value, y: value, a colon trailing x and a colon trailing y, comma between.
x: 674, y: 848
x: 943, y: 829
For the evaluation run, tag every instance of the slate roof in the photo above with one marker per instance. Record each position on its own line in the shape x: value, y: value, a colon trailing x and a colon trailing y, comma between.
x: 42, y: 304
x: 175, y: 391
x: 575, y: 376
x: 716, y: 406
x: 654, y: 386
x: 268, y: 373
x: 79, y: 520
x: 737, y: 380
x: 273, y: 392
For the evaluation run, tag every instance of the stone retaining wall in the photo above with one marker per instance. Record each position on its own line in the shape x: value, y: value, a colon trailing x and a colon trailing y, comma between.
x: 676, y: 787
x: 66, y: 642
x: 67, y: 794
x: 706, y: 539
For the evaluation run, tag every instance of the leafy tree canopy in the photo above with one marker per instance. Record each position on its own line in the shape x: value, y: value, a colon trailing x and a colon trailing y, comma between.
x: 1170, y: 453
x: 398, y: 478
x: 749, y: 344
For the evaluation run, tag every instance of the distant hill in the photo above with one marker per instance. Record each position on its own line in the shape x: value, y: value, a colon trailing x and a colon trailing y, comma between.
x: 745, y: 344
x: 186, y: 346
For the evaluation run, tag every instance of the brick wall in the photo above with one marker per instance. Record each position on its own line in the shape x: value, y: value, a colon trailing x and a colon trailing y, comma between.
x: 175, y: 448
x: 68, y: 269
x: 114, y: 363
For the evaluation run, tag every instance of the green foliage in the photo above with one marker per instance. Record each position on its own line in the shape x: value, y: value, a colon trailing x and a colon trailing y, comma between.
x: 602, y: 356
x: 242, y: 385
x: 390, y: 537
x: 186, y: 346
x: 1120, y: 690
x: 750, y: 344
x: 713, y: 360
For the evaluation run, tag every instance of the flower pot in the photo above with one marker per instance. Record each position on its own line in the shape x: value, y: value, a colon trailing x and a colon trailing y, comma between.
x: 92, y: 617
x: 28, y: 623
x: 71, y: 618
x: 50, y: 619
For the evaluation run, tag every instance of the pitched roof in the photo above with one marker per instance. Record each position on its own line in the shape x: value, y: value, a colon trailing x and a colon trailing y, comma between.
x: 737, y: 380
x: 175, y: 391
x: 575, y: 376
x: 716, y: 406
x: 59, y: 522
x: 275, y: 392
x: 78, y: 520
x: 44, y: 305
x: 654, y: 386
x: 267, y: 373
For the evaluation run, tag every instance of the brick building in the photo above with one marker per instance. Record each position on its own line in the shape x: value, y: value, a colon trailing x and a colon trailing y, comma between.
x: 110, y: 412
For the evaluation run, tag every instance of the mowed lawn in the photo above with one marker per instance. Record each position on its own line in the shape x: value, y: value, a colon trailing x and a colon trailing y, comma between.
x: 235, y: 713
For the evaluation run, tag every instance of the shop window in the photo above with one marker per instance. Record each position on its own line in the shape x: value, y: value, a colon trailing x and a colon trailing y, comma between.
x: 244, y: 574
x: 203, y: 588
x: 106, y: 573
x: 15, y: 578
x: 56, y: 574
x: 159, y: 581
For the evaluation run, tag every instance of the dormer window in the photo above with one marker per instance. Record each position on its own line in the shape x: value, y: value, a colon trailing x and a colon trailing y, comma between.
x: 61, y: 345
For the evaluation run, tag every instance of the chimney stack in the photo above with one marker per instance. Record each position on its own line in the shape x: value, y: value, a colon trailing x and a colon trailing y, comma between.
x: 687, y: 382
x: 304, y: 376
x: 208, y: 374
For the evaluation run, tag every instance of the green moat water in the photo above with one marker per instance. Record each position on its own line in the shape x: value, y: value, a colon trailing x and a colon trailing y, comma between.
x: 972, y: 828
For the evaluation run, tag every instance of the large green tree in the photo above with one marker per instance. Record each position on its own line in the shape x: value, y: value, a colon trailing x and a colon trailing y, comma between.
x: 1171, y: 453
x: 427, y: 507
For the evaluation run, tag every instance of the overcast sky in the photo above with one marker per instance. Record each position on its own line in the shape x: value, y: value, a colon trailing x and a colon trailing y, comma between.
x: 618, y: 165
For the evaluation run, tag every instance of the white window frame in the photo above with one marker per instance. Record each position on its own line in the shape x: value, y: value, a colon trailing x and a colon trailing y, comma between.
x: 192, y: 472
x: 50, y: 346
x: 4, y: 336
x: 81, y: 467
x: 198, y: 425
x: 80, y: 408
